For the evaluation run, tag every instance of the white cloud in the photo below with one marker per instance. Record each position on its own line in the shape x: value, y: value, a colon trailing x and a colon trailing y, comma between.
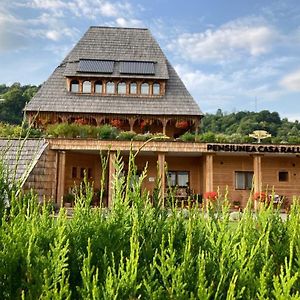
x: 234, y: 90
x: 122, y: 22
x: 227, y: 42
x: 291, y: 81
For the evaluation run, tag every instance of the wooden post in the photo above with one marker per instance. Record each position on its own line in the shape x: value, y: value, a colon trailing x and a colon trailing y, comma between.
x: 61, y: 177
x: 131, y: 123
x: 209, y: 173
x: 111, y: 177
x: 257, y: 177
x: 162, y: 176
x: 257, y: 173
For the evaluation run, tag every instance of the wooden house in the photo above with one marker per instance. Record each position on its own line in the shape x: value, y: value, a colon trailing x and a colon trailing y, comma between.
x: 121, y: 77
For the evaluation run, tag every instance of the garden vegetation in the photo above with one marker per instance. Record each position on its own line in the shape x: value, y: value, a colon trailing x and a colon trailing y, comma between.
x: 139, y: 250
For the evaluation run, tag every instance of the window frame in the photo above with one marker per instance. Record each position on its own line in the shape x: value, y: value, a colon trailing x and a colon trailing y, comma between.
x: 113, y: 84
x: 177, y: 173
x: 90, y: 87
x: 245, y: 178
x: 123, y: 83
x: 153, y: 89
x: 74, y: 82
x: 286, y: 173
x: 98, y: 83
x: 130, y: 88
x: 143, y: 84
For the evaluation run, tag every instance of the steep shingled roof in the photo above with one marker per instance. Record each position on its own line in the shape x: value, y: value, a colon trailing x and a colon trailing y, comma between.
x: 118, y: 44
x: 20, y: 156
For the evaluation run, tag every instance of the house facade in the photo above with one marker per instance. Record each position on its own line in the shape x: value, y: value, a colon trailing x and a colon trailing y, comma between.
x: 121, y: 77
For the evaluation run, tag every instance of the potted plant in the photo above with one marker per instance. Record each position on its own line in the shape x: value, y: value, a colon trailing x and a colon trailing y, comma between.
x: 69, y: 200
x: 236, y: 204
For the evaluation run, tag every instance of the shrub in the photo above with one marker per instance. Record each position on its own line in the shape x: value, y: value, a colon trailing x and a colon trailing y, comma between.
x: 187, y: 137
x: 143, y: 137
x: 126, y: 135
x: 107, y: 132
x: 140, y: 251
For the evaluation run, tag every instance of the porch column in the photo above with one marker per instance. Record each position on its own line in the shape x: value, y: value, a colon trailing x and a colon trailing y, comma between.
x: 257, y: 173
x: 162, y: 176
x: 131, y: 123
x: 61, y: 177
x: 164, y: 123
x: 196, y: 124
x: 111, y: 177
x: 209, y: 173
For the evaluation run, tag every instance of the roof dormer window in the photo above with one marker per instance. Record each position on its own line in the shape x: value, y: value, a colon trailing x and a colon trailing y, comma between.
x: 110, y: 87
x: 156, y: 89
x: 98, y: 87
x: 86, y: 87
x: 145, y: 88
x: 74, y: 86
x: 133, y: 88
x: 121, y: 88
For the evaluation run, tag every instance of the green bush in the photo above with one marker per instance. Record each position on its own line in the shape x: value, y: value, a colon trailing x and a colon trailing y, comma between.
x: 143, y: 136
x: 126, y: 135
x: 187, y: 137
x: 107, y: 132
x: 140, y: 251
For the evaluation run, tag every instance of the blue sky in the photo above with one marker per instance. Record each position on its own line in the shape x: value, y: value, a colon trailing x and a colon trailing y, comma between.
x: 233, y: 54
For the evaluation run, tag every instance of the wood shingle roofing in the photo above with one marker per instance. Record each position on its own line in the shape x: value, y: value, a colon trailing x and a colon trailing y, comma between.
x: 20, y: 156
x: 117, y: 44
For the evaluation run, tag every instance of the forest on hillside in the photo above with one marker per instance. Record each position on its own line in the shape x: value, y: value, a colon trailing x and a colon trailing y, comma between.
x: 218, y: 127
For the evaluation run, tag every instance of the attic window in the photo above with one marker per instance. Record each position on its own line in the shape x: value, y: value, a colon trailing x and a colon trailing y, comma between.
x: 86, y: 87
x: 98, y: 87
x: 133, y: 88
x: 74, y: 86
x: 156, y: 89
x: 145, y: 88
x: 110, y: 87
x: 121, y: 88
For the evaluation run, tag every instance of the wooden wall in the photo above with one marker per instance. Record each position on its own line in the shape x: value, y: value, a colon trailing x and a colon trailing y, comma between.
x: 43, y: 176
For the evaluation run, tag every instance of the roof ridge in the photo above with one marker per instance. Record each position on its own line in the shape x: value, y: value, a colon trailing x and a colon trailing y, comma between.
x: 119, y: 27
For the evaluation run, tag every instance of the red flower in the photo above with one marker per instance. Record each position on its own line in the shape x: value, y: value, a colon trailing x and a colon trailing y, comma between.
x: 116, y: 123
x: 81, y: 121
x: 212, y: 196
x: 260, y: 196
x: 182, y: 124
x: 144, y: 123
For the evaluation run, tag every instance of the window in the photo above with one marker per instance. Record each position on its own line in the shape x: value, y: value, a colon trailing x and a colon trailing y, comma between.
x: 74, y: 86
x: 82, y: 172
x: 133, y: 88
x: 86, y: 87
x: 98, y: 87
x: 74, y: 172
x: 243, y: 180
x: 145, y: 88
x: 89, y: 173
x: 178, y: 178
x: 156, y: 89
x: 110, y: 87
x: 121, y: 88
x: 283, y: 176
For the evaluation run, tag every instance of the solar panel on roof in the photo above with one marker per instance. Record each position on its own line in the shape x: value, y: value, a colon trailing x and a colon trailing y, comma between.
x: 137, y: 67
x: 96, y: 66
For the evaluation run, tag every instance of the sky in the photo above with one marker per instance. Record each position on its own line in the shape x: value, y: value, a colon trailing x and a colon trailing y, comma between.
x: 231, y: 54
